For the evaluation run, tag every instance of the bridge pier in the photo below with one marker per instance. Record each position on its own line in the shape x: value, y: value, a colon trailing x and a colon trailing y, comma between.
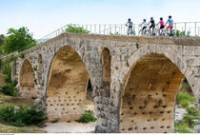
x: 135, y: 80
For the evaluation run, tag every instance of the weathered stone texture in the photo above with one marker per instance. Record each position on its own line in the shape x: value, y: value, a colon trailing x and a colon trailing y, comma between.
x: 135, y: 80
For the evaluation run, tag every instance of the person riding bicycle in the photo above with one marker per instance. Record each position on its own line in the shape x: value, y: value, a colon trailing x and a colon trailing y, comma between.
x: 162, y: 25
x: 129, y: 25
x: 144, y: 26
x: 152, y: 26
x: 170, y: 24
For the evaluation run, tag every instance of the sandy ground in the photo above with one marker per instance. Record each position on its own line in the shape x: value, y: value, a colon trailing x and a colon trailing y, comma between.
x: 73, y: 127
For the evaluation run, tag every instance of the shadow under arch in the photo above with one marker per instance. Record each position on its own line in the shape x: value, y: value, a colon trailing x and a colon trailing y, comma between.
x: 149, y: 94
x: 27, y: 81
x: 67, y: 86
x: 106, y: 62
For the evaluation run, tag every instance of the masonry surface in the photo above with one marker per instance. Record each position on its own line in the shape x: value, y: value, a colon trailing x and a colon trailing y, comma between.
x: 134, y: 80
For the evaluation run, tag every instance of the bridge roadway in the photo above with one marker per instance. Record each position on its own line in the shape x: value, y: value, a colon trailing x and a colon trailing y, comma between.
x: 135, y: 80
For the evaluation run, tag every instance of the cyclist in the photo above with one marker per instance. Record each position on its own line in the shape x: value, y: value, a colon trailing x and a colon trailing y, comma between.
x: 162, y: 25
x: 152, y: 26
x: 144, y: 26
x: 129, y: 25
x: 170, y: 24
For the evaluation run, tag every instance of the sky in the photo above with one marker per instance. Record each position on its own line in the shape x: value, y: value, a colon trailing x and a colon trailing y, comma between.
x: 44, y: 16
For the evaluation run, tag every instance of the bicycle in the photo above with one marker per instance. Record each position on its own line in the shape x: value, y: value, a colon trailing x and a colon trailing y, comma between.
x: 153, y: 32
x: 144, y: 32
x: 165, y: 32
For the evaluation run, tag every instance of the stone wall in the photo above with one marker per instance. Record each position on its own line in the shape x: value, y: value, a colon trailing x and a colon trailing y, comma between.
x: 135, y: 80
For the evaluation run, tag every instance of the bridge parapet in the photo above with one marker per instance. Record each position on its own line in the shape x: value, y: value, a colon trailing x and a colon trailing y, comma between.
x: 185, y: 28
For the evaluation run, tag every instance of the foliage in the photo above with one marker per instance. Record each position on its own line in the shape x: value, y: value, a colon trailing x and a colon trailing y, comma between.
x: 182, y: 128
x: 9, y: 89
x: 179, y: 33
x: 18, y: 40
x: 21, y: 116
x: 21, y: 55
x: 75, y: 29
x: 184, y: 99
x: 87, y: 117
x: 2, y: 39
x: 192, y: 116
x: 6, y: 70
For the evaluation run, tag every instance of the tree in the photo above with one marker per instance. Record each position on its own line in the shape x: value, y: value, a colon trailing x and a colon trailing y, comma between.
x: 2, y: 39
x: 75, y: 29
x: 18, y: 40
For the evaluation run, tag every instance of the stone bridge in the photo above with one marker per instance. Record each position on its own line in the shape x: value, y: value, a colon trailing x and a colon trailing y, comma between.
x: 135, y: 80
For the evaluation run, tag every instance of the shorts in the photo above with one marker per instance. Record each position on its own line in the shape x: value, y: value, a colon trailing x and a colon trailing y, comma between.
x: 162, y: 27
x: 170, y: 26
x: 144, y: 27
x: 152, y: 26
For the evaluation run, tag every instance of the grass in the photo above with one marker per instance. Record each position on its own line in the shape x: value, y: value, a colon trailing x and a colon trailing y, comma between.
x: 7, y: 128
x: 87, y: 117
x: 12, y: 129
x: 182, y: 128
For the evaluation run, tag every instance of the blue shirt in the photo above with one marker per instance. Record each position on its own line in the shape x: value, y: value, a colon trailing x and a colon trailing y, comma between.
x: 170, y: 21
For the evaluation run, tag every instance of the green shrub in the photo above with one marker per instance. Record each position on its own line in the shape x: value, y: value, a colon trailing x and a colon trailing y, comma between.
x: 9, y: 89
x: 179, y: 33
x: 182, y: 128
x: 75, y: 29
x: 87, y: 117
x: 21, y: 55
x: 184, y: 99
x: 6, y: 69
x: 192, y: 116
x: 21, y: 116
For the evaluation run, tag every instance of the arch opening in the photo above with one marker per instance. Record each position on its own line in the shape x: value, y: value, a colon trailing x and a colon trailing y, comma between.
x: 149, y: 96
x: 27, y: 81
x: 106, y: 62
x: 67, y: 86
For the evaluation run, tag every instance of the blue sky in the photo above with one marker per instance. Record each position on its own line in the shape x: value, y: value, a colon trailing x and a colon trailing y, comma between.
x: 43, y: 16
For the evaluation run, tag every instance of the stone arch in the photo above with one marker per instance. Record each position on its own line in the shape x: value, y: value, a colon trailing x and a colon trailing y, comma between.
x: 27, y: 81
x: 149, y: 95
x: 173, y: 54
x: 106, y: 62
x: 67, y: 84
x: 40, y: 68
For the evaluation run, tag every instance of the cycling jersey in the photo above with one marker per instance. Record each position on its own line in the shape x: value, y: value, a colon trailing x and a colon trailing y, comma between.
x: 129, y: 24
x: 162, y: 23
x: 144, y: 24
x: 152, y: 22
x: 170, y: 21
